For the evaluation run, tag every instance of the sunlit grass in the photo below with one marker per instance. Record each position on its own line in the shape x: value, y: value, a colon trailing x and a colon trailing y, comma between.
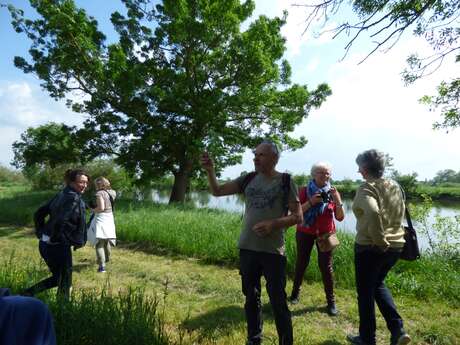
x: 94, y: 317
x: 212, y: 235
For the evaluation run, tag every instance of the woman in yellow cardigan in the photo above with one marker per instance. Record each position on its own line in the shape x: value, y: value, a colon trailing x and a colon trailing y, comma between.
x: 379, y: 210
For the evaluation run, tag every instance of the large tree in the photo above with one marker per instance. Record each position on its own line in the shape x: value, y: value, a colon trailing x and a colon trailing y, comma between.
x: 384, y: 21
x: 182, y: 78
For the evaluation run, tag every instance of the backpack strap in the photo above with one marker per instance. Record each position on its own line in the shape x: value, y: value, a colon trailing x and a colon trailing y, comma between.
x: 248, y: 178
x: 286, y: 186
x: 110, y: 198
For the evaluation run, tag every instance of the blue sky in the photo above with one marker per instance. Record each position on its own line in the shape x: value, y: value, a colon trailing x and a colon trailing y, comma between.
x: 370, y: 107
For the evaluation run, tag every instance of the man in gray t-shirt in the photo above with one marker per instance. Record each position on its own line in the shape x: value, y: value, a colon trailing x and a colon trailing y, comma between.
x: 261, y: 241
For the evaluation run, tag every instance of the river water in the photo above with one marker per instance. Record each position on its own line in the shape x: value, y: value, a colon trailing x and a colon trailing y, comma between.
x: 235, y: 203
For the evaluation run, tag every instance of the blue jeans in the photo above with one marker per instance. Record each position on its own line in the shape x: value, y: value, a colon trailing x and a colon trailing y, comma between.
x: 273, y: 267
x: 371, y: 268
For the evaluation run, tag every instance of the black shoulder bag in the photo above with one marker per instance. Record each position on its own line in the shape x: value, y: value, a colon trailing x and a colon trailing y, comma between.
x: 410, y: 250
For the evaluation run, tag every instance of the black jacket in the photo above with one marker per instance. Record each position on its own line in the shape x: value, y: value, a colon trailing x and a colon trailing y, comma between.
x: 66, y: 223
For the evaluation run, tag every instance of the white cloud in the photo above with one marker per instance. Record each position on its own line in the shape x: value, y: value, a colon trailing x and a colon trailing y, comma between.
x: 313, y: 64
x: 23, y: 105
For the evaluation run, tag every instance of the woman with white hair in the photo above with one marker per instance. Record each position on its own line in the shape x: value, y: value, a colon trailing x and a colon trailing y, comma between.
x: 102, y: 229
x: 321, y: 203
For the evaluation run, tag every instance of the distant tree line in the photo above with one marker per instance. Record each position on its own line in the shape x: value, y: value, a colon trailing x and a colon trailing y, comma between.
x: 44, y: 176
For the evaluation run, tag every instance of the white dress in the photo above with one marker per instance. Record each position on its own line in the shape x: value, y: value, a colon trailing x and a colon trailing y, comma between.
x: 103, y: 225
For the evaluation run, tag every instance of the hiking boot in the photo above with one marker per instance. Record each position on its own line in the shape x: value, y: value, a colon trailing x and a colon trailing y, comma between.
x: 101, y: 269
x: 402, y: 338
x: 332, y: 309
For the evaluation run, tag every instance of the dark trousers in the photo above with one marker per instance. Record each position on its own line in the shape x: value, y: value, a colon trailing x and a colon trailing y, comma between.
x: 305, y: 244
x: 371, y: 268
x: 273, y: 267
x: 58, y: 258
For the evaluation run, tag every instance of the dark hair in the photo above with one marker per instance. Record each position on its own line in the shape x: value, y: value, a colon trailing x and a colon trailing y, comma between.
x: 373, y: 161
x: 72, y: 174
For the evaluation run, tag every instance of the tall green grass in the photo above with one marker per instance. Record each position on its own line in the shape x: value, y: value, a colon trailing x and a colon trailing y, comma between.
x: 212, y: 235
x: 18, y: 204
x: 94, y: 318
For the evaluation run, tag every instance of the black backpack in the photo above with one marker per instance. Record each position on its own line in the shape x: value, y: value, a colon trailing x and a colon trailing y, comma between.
x: 285, y: 186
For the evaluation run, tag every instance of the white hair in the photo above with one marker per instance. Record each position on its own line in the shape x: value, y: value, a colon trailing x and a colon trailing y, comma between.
x: 320, y: 165
x: 274, y: 148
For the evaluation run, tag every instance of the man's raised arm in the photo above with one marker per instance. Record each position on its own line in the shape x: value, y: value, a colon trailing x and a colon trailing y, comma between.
x: 217, y: 189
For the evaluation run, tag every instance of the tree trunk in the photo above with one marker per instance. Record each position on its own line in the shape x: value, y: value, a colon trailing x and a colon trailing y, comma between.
x: 180, y: 184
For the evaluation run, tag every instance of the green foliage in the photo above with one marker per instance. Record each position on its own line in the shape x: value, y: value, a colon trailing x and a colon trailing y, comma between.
x: 9, y: 176
x: 50, y: 145
x: 45, y: 177
x: 183, y: 78
x: 443, y: 234
x: 407, y: 182
x: 445, y: 191
x: 301, y: 180
x: 347, y: 187
x: 447, y: 101
x: 119, y: 179
x: 446, y: 175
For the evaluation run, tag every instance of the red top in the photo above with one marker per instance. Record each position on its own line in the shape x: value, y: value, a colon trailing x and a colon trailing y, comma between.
x: 324, y: 223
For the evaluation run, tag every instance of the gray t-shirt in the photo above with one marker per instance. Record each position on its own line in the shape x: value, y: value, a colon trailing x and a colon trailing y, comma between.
x: 264, y: 201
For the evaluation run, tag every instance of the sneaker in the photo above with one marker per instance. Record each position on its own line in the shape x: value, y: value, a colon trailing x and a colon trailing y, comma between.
x: 332, y: 309
x: 101, y: 269
x: 355, y: 339
x: 402, y: 339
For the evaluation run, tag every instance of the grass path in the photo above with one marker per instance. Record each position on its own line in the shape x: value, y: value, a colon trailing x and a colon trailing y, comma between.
x: 203, y: 303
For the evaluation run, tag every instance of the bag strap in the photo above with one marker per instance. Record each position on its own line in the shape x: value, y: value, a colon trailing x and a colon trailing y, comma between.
x: 406, y: 208
x: 248, y: 178
x: 286, y: 186
x: 408, y: 218
x: 110, y: 198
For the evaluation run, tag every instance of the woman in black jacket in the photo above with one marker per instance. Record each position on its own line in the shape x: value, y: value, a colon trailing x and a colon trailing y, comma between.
x: 65, y: 227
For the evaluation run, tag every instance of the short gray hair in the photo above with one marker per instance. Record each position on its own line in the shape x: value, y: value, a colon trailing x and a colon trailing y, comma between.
x: 373, y: 161
x: 273, y: 147
x: 320, y: 165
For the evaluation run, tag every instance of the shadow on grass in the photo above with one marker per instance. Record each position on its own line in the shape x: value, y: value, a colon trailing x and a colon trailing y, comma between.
x: 81, y: 266
x: 308, y: 310
x: 331, y: 342
x: 223, y: 318
x: 152, y: 248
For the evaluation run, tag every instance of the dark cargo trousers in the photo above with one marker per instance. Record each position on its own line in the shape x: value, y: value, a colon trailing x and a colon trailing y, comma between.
x: 58, y: 258
x: 254, y: 265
